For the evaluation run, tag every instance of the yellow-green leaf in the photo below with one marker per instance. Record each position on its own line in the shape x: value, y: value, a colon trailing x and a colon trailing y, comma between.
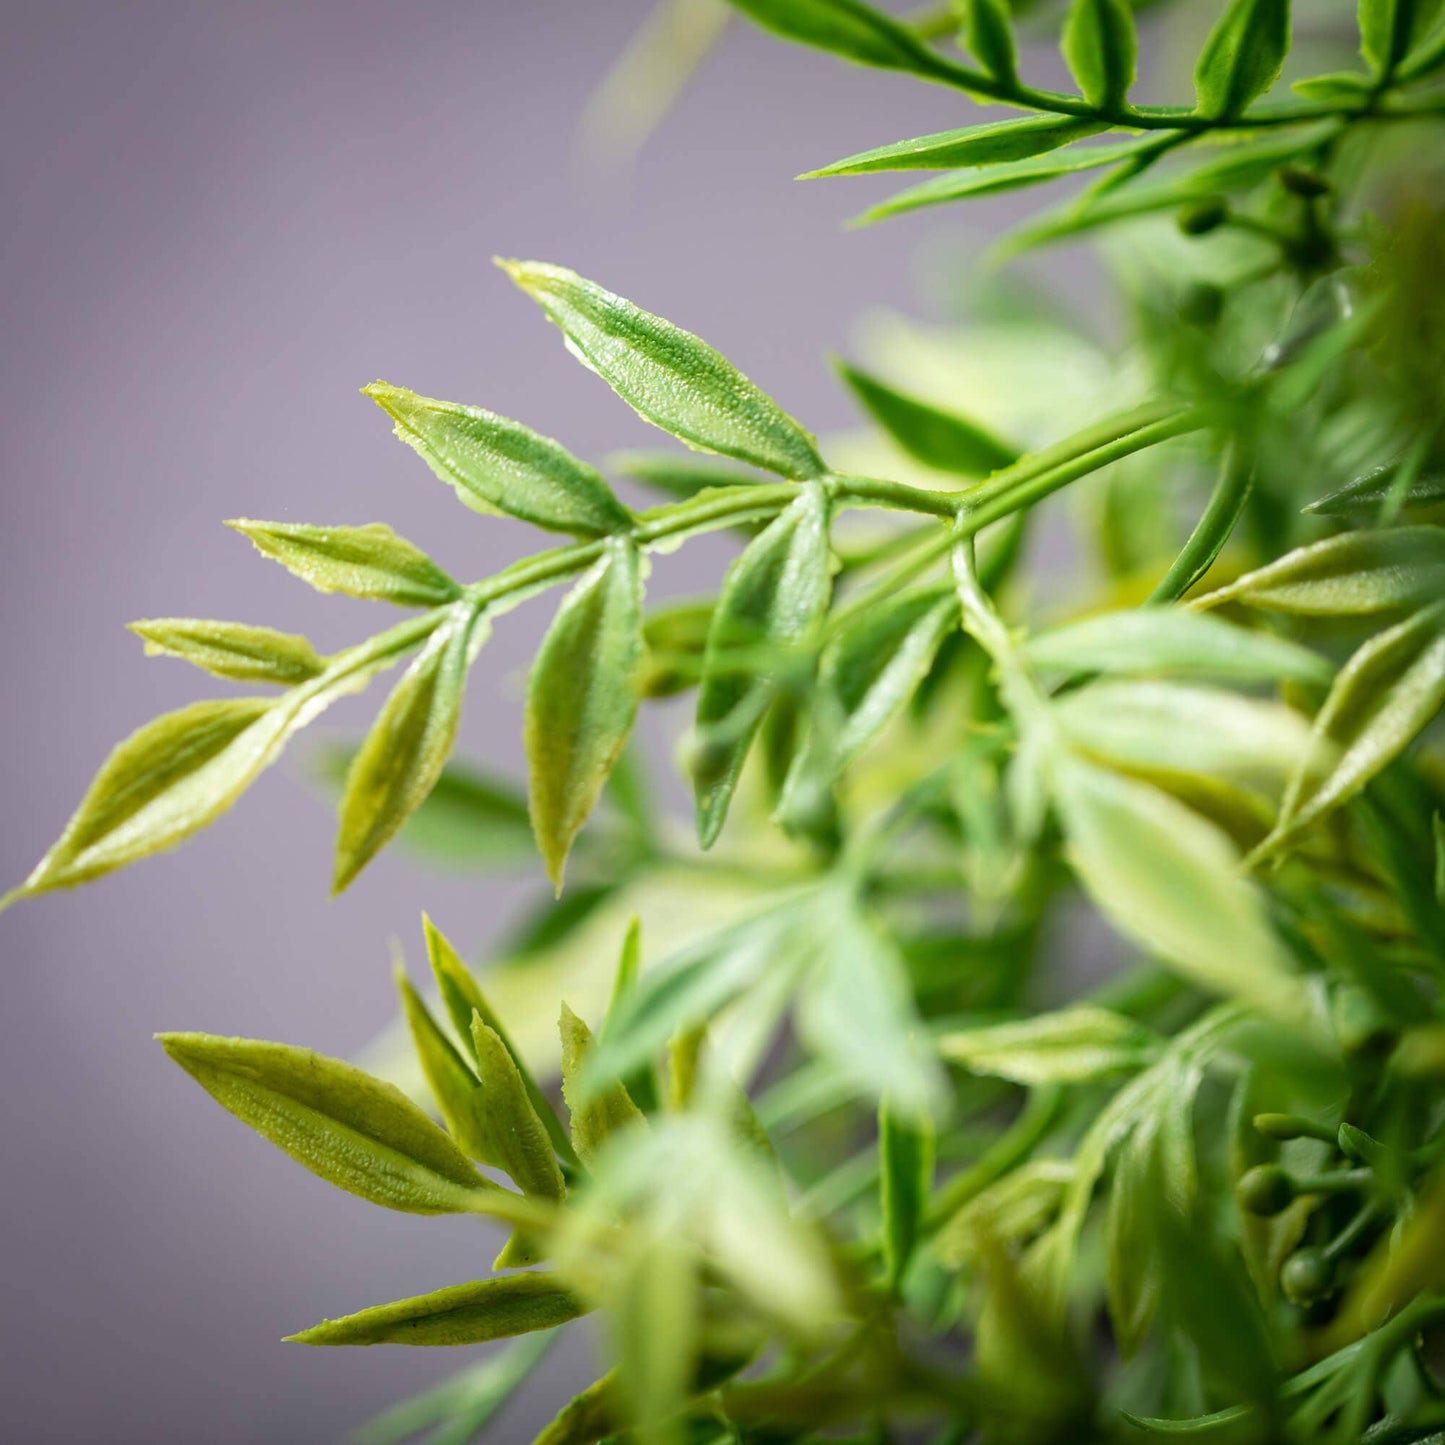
x: 231, y: 649
x: 597, y: 1114
x: 521, y: 1136
x: 1068, y: 1046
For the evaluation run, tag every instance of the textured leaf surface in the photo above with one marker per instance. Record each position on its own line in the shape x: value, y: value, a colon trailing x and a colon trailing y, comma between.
x: 514, y: 1122
x: 231, y: 649
x: 596, y: 1115
x: 1243, y: 56
x: 1064, y: 1047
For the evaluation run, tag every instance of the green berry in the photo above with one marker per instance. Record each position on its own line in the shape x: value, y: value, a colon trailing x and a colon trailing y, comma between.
x: 1266, y: 1189
x: 1204, y: 216
x: 1304, y: 182
x: 1307, y: 1276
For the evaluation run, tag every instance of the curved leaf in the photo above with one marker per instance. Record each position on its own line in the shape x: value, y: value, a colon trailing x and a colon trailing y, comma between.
x: 596, y: 1114
x: 973, y: 145
x: 231, y: 649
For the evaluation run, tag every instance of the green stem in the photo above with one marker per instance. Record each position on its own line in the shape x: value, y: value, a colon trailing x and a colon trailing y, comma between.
x: 1206, y: 541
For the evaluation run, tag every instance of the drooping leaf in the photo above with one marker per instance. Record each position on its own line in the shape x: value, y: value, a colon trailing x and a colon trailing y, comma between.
x: 582, y: 698
x: 1390, y: 29
x: 1170, y: 640
x: 668, y: 376
x: 403, y: 755
x: 516, y: 1127
x: 596, y: 1114
x: 356, y: 1132
x: 1356, y: 573
x: 1243, y: 56
x: 974, y: 145
x: 462, y: 1314
x: 499, y: 466
x: 231, y: 649
x: 937, y: 438
x: 1102, y: 50
x: 370, y: 562
x: 848, y: 28
x: 773, y: 597
x: 988, y: 34
x: 1064, y: 1047
x: 905, y: 1174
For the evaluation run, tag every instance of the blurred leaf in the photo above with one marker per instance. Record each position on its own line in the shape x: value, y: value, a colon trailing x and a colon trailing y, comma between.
x: 1365, y: 498
x: 1068, y: 1046
x: 231, y: 649
x: 988, y: 34
x: 1131, y: 1273
x: 581, y: 700
x: 1243, y: 56
x: 462, y: 1314
x: 652, y: 1311
x: 680, y: 476
x: 501, y: 467
x: 596, y: 1114
x: 370, y: 562
x: 973, y: 145
x: 587, y: 1418
x: 668, y: 376
x: 1102, y: 50
x: 1391, y: 29
x: 905, y: 1174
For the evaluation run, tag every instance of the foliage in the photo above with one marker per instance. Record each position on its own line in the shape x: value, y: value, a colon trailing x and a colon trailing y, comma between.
x: 837, y: 1161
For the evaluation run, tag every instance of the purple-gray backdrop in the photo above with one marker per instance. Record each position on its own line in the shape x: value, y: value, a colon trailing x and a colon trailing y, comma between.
x: 219, y: 220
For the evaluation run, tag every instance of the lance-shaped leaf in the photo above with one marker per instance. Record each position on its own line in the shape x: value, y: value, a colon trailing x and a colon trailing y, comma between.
x: 370, y: 562
x: 1243, y: 56
x: 462, y: 1314
x: 1356, y: 573
x: 974, y: 145
x: 848, y: 28
x: 988, y: 34
x: 516, y: 1127
x: 667, y: 375
x: 1131, y: 1275
x: 231, y: 649
x: 499, y: 466
x: 1065, y: 1047
x: 581, y: 700
x: 905, y: 1177
x: 937, y: 438
x: 680, y: 475
x: 1390, y: 29
x: 1171, y: 640
x: 1382, y: 699
x: 1365, y: 498
x: 399, y: 763
x: 1102, y: 50
x: 653, y: 1307
x: 1169, y: 880
x: 772, y: 599
x: 596, y: 1114
x: 355, y: 1131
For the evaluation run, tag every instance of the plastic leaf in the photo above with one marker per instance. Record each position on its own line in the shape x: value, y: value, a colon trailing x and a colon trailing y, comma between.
x: 520, y: 1135
x: 499, y: 466
x: 596, y: 1115
x: 370, y: 562
x: 1065, y: 1047
x: 988, y: 33
x: 940, y: 439
x: 231, y: 649
x: 670, y: 377
x: 905, y: 1158
x: 356, y: 1132
x: 1390, y: 29
x: 462, y: 1314
x: 581, y: 700
x: 1356, y: 573
x: 1243, y: 56
x: 773, y: 597
x: 1171, y: 640
x: 1102, y: 50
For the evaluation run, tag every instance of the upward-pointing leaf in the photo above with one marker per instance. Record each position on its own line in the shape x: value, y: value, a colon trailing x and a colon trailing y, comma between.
x: 520, y: 1135
x: 582, y: 698
x: 1390, y: 29
x: 988, y: 33
x: 1102, y: 50
x: 974, y: 145
x: 500, y: 466
x: 407, y: 747
x: 231, y: 649
x: 670, y: 377
x: 596, y: 1114
x: 847, y: 28
x: 1243, y: 56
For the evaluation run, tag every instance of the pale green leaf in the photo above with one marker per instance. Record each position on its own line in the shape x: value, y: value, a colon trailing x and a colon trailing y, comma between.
x: 670, y: 377
x: 988, y: 34
x: 905, y: 1177
x: 582, y: 698
x: 1243, y: 56
x: 1065, y: 1047
x: 231, y: 649
x: 1102, y: 50
x: 1131, y: 1275
x: 370, y: 562
x: 499, y: 466
x: 596, y: 1114
x: 462, y: 1314
x: 653, y: 1305
x: 974, y: 145
x: 516, y: 1127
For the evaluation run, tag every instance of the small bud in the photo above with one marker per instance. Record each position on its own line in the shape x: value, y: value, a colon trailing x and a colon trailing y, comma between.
x: 1307, y: 1276
x: 1286, y: 1126
x: 1304, y: 182
x: 1266, y: 1189
x: 1204, y: 216
x: 1202, y: 304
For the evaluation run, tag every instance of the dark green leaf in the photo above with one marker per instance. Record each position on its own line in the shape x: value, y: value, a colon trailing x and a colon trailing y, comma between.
x: 848, y: 28
x: 974, y: 145
x: 231, y: 649
x: 905, y: 1174
x: 596, y: 1114
x: 370, y: 561
x: 1243, y: 56
x: 1365, y: 498
x: 988, y: 33
x: 502, y: 467
x: 582, y: 698
x: 1102, y: 50
x: 463, y: 1314
x: 668, y: 376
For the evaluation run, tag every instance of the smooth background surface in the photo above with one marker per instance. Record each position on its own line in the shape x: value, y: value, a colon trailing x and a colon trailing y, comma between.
x: 219, y: 220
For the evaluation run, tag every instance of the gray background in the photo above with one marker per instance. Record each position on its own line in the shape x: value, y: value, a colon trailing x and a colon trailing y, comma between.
x: 219, y: 220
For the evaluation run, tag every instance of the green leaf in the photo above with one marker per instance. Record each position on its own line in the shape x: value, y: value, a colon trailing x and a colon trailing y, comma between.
x: 937, y: 438
x: 1383, y: 697
x: 596, y: 1114
x: 582, y: 698
x: 501, y: 467
x: 1365, y: 498
x: 231, y: 649
x: 974, y: 145
x: 371, y: 562
x: 1243, y: 56
x: 1102, y: 50
x: 462, y: 1314
x: 356, y: 1132
x: 773, y: 598
x: 1171, y: 640
x: 988, y: 34
x: 516, y: 1126
x: 680, y: 475
x: 653, y: 1318
x: 1391, y: 29
x: 668, y: 376
x: 1354, y: 574
x: 1131, y: 1274
x: 848, y: 28
x: 905, y: 1177
x: 1069, y: 1046
x: 957, y: 185
x: 1347, y: 86
x: 1170, y: 881
x: 402, y: 757
x: 585, y: 1419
